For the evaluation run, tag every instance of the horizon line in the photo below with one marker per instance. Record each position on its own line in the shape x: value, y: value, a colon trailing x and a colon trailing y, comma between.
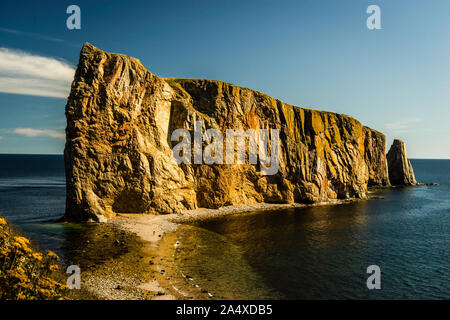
x: 62, y: 154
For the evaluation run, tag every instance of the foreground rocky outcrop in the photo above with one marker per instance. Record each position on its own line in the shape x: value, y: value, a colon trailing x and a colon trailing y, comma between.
x: 400, y: 169
x: 118, y: 153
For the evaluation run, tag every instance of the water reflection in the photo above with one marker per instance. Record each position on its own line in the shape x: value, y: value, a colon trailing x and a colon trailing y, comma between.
x: 88, y: 245
x: 278, y: 250
x: 322, y: 252
x: 228, y: 275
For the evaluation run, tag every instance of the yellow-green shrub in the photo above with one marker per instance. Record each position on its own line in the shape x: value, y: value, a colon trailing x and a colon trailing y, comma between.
x: 26, y: 273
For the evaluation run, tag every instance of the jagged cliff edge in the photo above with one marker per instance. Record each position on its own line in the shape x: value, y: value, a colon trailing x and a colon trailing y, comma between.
x: 118, y: 153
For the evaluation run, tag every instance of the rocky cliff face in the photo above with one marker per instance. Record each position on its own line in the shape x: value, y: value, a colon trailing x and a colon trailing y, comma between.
x: 400, y: 169
x: 119, y: 158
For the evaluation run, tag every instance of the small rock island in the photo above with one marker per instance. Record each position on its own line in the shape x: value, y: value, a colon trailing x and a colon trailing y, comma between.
x: 400, y: 169
x: 118, y: 152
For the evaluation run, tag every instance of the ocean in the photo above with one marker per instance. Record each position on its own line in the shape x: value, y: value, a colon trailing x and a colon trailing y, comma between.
x: 33, y: 197
x: 307, y: 253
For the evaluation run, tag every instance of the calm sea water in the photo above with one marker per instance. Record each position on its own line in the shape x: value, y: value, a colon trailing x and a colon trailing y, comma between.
x: 323, y: 252
x: 32, y: 197
x: 32, y: 194
x: 308, y: 253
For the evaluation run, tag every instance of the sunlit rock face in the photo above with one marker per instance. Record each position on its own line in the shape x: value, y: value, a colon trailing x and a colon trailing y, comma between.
x: 118, y: 153
x: 400, y: 169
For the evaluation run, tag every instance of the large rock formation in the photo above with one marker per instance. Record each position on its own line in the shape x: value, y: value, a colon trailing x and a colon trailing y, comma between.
x: 119, y: 158
x: 400, y: 169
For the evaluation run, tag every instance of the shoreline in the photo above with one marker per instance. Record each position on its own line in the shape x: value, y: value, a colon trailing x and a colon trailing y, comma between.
x: 164, y: 281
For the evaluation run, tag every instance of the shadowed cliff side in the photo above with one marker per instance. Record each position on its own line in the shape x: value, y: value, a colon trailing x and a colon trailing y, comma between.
x: 400, y: 169
x: 118, y: 153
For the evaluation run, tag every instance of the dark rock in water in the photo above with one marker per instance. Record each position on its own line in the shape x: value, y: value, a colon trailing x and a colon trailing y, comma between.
x: 400, y: 169
x: 428, y: 184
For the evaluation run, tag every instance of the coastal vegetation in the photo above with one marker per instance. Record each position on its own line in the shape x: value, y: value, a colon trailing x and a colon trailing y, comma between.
x: 26, y: 273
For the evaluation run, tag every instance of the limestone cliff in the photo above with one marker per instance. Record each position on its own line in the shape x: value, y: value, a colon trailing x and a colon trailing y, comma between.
x: 119, y: 158
x: 400, y: 169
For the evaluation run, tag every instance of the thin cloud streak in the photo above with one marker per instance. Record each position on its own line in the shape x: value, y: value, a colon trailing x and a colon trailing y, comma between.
x: 401, y: 125
x: 24, y: 73
x: 36, y: 36
x: 29, y: 132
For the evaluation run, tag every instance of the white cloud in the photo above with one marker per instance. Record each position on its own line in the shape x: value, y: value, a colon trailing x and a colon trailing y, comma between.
x: 29, y: 132
x: 24, y: 73
x: 401, y: 125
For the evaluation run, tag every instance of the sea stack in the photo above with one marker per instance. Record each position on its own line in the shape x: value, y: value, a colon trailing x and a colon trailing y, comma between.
x: 400, y: 169
x: 118, y: 154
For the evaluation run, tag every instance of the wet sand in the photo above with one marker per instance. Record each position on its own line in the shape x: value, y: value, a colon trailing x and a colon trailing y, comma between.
x: 119, y: 276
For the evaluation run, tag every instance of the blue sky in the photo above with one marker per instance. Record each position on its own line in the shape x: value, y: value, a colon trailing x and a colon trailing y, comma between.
x: 313, y: 53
